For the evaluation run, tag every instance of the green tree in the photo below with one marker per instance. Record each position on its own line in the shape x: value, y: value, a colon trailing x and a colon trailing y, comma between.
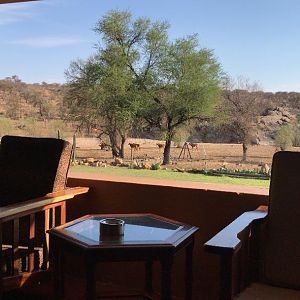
x: 117, y: 99
x: 102, y: 94
x: 178, y: 81
x: 77, y: 104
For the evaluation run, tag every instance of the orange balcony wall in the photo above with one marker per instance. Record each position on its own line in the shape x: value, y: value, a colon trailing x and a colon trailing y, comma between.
x: 207, y: 206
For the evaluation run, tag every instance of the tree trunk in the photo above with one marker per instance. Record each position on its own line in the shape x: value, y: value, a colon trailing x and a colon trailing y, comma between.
x: 114, y: 150
x: 167, y: 150
x: 245, y: 149
x: 122, y: 150
x: 118, y: 150
x: 114, y: 147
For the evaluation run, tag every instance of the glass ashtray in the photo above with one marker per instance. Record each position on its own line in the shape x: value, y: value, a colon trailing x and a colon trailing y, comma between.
x: 111, y: 228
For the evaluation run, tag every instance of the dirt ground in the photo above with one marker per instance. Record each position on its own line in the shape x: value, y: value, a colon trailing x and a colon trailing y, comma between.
x: 204, y: 156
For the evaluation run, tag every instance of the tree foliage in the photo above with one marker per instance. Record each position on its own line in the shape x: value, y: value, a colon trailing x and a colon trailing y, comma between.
x: 138, y: 72
x: 102, y: 95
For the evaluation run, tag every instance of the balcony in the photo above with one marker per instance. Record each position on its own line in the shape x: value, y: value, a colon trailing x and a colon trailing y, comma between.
x: 207, y: 206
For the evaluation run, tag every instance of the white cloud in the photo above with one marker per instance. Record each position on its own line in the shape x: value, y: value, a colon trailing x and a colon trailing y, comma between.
x: 11, y: 13
x: 47, y: 42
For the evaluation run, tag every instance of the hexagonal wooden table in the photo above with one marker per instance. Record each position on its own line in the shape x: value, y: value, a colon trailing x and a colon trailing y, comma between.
x: 147, y: 237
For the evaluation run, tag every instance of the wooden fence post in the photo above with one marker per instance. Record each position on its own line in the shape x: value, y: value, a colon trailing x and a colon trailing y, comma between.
x: 74, y: 149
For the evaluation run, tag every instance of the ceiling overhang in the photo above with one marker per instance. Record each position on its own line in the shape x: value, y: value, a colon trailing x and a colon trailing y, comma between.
x: 14, y: 1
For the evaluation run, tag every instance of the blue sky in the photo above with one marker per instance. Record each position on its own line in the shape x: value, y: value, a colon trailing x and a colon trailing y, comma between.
x: 258, y: 39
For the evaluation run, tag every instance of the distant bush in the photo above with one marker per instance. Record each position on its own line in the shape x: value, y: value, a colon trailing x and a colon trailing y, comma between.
x: 6, y: 126
x: 55, y: 126
x: 284, y: 137
x: 296, y: 141
x: 32, y: 127
x: 181, y: 135
x: 155, y: 166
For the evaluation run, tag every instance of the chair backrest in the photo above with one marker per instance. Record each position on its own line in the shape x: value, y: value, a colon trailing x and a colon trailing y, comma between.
x: 281, y: 243
x: 32, y: 167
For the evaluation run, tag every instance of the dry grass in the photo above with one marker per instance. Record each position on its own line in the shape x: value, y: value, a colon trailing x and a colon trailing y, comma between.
x: 206, y: 156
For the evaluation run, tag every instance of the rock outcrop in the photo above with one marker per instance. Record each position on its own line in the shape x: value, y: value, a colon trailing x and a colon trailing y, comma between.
x: 269, y: 123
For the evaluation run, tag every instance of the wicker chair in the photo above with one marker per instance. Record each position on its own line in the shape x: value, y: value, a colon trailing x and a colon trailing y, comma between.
x: 33, y: 173
x: 260, y: 251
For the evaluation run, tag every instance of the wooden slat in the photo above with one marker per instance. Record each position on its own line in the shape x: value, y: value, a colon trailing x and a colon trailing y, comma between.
x: 52, y: 217
x: 46, y: 240
x: 13, y: 213
x: 31, y: 238
x: 34, y: 205
x: 15, y: 245
x: 63, y: 213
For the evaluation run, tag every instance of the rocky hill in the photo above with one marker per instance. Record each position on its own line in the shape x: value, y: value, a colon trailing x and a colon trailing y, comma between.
x: 269, y: 123
x: 277, y: 109
x: 44, y: 102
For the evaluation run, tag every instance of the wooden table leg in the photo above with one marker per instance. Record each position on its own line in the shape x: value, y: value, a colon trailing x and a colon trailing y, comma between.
x: 225, y: 292
x: 148, y: 278
x: 90, y: 272
x: 166, y: 268
x: 189, y: 270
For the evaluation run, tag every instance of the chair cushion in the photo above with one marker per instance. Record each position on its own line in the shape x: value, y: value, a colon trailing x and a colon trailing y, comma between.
x: 32, y: 167
x: 281, y: 244
x: 258, y: 291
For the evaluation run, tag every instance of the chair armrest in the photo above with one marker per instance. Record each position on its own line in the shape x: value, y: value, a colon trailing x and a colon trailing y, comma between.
x: 227, y: 240
x: 39, y: 204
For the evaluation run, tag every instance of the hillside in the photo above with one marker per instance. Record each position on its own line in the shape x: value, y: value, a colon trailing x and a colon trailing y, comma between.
x: 19, y: 100
x: 277, y: 109
x: 24, y: 105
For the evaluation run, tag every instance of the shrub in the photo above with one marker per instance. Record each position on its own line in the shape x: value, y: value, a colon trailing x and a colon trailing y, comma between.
x: 32, y: 127
x: 6, y: 126
x: 55, y: 126
x: 296, y: 141
x: 284, y: 137
x: 155, y: 166
x: 182, y: 134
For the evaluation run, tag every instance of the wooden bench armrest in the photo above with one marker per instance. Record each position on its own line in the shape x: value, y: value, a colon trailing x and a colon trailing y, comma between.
x: 227, y: 241
x: 39, y: 204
